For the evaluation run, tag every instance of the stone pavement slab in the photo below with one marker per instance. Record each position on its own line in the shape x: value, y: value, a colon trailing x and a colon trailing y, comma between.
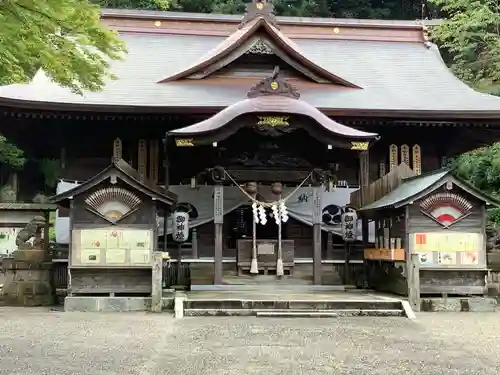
x: 36, y: 341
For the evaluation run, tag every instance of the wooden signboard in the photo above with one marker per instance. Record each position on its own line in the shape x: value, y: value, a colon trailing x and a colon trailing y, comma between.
x: 417, y: 161
x: 393, y: 157
x: 112, y: 247
x: 405, y: 155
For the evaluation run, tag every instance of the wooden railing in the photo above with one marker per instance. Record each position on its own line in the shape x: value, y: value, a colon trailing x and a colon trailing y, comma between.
x: 382, y: 186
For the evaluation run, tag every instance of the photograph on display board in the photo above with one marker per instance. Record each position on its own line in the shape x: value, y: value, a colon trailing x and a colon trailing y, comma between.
x: 470, y: 258
x: 447, y: 258
x: 426, y: 258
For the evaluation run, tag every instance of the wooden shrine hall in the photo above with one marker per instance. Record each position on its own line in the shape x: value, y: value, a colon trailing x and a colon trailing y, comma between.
x: 284, y: 120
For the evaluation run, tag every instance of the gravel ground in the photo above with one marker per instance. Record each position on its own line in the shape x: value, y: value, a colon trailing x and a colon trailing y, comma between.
x: 35, y: 341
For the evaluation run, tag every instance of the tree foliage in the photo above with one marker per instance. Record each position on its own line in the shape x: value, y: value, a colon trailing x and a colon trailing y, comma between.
x: 65, y: 38
x: 10, y: 155
x: 395, y: 9
x: 470, y: 35
x: 481, y: 168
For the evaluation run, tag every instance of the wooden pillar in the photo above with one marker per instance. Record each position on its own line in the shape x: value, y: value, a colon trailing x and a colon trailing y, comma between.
x: 156, y: 282
x: 413, y: 280
x: 364, y: 182
x: 316, y: 221
x: 218, y: 223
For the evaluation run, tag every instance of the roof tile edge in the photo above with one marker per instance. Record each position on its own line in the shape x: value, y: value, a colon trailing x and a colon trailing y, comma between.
x: 107, y: 13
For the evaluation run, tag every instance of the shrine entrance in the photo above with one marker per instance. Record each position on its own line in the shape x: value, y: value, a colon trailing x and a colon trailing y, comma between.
x: 270, y: 155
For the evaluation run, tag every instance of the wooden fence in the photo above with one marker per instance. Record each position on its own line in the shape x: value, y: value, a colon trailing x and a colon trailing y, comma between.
x: 382, y: 186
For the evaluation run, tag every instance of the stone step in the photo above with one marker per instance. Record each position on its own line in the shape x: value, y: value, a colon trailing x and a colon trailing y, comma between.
x: 293, y: 304
x: 272, y: 287
x: 293, y: 313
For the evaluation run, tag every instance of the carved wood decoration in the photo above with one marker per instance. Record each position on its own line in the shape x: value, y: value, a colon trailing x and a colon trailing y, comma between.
x: 417, y: 159
x: 259, y: 8
x: 113, y: 203
x: 154, y: 162
x: 393, y: 157
x: 273, y: 125
x: 446, y: 208
x: 117, y: 149
x: 274, y: 85
x: 405, y: 155
x: 260, y: 47
x: 142, y: 157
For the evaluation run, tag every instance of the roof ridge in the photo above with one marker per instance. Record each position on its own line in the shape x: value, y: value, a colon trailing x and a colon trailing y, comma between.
x: 427, y: 174
x: 290, y: 20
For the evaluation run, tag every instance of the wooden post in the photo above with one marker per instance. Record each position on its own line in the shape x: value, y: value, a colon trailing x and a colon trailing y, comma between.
x: 413, y: 280
x: 347, y: 259
x: 218, y: 223
x: 156, y: 282
x: 194, y: 243
x: 316, y: 221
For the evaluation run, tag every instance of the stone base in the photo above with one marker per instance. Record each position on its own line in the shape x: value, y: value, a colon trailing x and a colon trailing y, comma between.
x: 475, y: 304
x: 113, y: 304
x: 26, y: 283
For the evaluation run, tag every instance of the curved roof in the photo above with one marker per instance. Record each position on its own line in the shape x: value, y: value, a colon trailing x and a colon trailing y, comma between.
x: 272, y: 104
x: 415, y: 188
x: 244, y: 34
x: 273, y: 95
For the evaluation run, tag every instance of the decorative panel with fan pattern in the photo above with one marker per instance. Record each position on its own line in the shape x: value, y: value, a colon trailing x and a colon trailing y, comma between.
x: 113, y: 203
x: 446, y: 208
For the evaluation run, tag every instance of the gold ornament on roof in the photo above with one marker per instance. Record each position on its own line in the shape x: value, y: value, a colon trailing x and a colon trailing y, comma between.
x: 274, y: 85
x: 259, y: 6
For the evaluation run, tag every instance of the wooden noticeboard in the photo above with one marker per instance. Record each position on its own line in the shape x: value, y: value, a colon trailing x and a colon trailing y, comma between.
x: 449, y: 249
x: 112, y: 247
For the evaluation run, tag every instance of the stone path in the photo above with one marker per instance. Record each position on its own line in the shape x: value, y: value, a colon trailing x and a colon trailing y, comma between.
x: 35, y: 341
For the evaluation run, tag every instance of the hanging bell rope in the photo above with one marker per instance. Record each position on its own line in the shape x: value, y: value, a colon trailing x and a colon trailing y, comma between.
x: 267, y: 204
x: 259, y: 216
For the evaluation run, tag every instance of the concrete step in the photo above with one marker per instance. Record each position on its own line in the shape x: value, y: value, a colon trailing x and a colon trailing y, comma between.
x: 293, y: 304
x: 293, y: 313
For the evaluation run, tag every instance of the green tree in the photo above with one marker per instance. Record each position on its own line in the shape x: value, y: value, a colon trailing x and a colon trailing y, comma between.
x: 10, y: 154
x: 64, y: 38
x: 470, y: 36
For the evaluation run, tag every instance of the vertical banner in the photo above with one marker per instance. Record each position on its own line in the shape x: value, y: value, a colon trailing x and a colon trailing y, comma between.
x: 117, y: 149
x: 349, y: 226
x: 417, y: 161
x: 316, y: 209
x: 393, y: 157
x: 405, y: 155
x: 218, y: 204
x: 180, y: 230
x: 142, y: 157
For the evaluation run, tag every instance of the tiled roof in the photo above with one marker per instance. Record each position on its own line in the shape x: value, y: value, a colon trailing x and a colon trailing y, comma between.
x: 413, y: 188
x: 394, y: 76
